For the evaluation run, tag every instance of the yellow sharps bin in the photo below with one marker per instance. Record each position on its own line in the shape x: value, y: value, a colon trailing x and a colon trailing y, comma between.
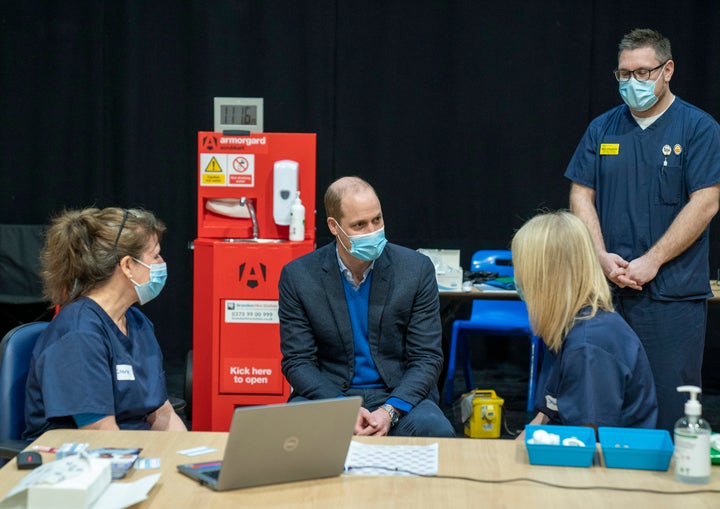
x: 486, y: 418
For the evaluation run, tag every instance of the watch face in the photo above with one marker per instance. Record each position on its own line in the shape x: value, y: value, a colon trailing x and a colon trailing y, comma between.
x: 393, y: 414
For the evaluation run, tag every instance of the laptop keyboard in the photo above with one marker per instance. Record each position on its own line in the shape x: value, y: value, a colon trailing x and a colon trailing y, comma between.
x: 213, y: 473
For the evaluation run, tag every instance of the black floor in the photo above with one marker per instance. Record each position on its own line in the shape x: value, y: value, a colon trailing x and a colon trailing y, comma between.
x: 499, y: 364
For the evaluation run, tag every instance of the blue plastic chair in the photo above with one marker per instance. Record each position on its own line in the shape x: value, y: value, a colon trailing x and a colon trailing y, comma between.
x: 506, y: 317
x: 15, y: 353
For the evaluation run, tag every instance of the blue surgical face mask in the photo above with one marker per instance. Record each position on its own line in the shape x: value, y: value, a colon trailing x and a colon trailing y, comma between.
x: 152, y: 288
x: 639, y: 95
x: 366, y: 246
x: 519, y: 292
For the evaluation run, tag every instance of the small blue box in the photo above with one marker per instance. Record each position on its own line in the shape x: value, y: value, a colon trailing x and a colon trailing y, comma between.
x: 642, y: 449
x: 561, y: 455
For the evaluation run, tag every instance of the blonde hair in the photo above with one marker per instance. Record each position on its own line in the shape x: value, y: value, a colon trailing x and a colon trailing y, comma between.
x: 83, y: 247
x: 558, y: 272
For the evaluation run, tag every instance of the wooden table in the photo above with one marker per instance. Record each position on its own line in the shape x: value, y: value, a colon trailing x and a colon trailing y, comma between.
x: 492, y: 460
x: 715, y: 287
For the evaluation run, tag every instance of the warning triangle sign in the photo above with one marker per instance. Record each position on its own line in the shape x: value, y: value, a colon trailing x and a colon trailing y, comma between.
x: 213, y: 166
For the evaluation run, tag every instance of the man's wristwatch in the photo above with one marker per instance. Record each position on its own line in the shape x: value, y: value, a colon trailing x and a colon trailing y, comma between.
x: 394, y: 417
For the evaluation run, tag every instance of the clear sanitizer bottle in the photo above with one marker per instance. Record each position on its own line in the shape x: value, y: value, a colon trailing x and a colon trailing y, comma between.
x: 692, y: 441
x: 297, y: 219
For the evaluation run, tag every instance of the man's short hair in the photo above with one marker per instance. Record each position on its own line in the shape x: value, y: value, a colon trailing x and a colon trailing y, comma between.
x: 647, y: 37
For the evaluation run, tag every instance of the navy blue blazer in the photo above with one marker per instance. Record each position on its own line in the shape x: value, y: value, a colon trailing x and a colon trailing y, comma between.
x: 404, y: 328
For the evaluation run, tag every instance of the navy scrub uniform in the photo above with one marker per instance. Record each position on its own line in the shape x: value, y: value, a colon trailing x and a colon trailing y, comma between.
x: 600, y: 376
x: 83, y: 363
x: 642, y: 179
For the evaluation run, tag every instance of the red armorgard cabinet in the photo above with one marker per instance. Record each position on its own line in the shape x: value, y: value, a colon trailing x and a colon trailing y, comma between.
x: 246, y: 185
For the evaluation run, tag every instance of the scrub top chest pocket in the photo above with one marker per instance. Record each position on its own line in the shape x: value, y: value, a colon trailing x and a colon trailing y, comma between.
x: 670, y: 175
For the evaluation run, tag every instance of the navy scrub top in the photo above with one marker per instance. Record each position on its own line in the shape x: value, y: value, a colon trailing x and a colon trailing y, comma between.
x: 600, y: 376
x: 83, y: 363
x: 643, y: 178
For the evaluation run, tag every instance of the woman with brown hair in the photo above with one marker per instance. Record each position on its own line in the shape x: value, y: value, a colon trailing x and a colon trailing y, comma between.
x: 98, y: 364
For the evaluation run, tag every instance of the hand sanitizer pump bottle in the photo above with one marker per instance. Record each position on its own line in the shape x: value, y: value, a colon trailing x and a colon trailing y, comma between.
x: 692, y: 441
x: 297, y: 219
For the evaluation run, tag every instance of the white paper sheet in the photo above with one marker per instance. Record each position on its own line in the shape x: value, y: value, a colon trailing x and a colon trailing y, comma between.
x: 368, y: 459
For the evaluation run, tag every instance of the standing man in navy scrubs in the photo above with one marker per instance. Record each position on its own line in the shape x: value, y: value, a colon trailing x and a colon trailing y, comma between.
x: 646, y: 180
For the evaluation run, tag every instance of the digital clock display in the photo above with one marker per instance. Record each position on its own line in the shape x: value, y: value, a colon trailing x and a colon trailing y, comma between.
x: 238, y: 114
x: 232, y: 114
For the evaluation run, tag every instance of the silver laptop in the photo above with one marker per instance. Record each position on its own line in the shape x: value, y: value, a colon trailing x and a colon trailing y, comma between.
x: 282, y: 443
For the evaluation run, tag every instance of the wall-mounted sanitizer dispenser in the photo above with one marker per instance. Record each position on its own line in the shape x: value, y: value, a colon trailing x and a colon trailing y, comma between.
x: 285, y: 187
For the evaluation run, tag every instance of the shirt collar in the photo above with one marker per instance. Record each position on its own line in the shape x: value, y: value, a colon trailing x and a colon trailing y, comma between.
x: 347, y: 274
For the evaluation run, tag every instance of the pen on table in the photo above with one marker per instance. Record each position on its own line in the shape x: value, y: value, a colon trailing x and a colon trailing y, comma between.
x: 44, y: 448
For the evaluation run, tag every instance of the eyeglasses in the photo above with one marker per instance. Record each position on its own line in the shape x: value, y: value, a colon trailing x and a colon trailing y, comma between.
x: 122, y: 225
x: 639, y: 74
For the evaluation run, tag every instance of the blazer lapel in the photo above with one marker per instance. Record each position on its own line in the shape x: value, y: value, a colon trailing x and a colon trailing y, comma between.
x: 379, y: 293
x: 332, y: 280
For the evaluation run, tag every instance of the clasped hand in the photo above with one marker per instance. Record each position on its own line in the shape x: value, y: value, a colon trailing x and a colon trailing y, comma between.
x: 375, y: 423
x: 633, y: 274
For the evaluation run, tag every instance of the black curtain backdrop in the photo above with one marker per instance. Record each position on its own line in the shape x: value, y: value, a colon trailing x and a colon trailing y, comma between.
x: 462, y: 114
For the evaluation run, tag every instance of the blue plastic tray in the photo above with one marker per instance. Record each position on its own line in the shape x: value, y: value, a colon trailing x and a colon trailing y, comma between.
x: 642, y: 449
x: 562, y: 455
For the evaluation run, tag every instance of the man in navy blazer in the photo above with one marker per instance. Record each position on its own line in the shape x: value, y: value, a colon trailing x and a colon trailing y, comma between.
x: 361, y: 317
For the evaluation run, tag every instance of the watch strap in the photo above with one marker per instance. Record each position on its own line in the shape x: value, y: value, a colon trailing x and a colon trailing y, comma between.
x: 394, y: 417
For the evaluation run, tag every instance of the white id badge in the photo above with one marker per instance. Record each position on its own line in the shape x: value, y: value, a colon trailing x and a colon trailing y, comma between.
x: 124, y: 372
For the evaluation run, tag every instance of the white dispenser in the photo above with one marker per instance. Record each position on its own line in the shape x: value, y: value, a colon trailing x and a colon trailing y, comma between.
x: 297, y: 219
x: 285, y: 185
x: 692, y: 441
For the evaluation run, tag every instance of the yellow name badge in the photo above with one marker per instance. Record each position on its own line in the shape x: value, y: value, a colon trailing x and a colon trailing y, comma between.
x: 609, y: 149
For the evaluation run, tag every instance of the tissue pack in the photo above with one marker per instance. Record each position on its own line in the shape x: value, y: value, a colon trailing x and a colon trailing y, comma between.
x: 76, y: 492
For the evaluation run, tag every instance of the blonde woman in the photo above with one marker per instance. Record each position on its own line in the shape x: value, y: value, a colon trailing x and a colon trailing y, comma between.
x: 597, y: 373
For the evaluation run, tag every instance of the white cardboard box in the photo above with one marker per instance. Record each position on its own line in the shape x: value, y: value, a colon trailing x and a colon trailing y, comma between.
x: 52, y: 485
x: 77, y: 492
x: 448, y: 272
